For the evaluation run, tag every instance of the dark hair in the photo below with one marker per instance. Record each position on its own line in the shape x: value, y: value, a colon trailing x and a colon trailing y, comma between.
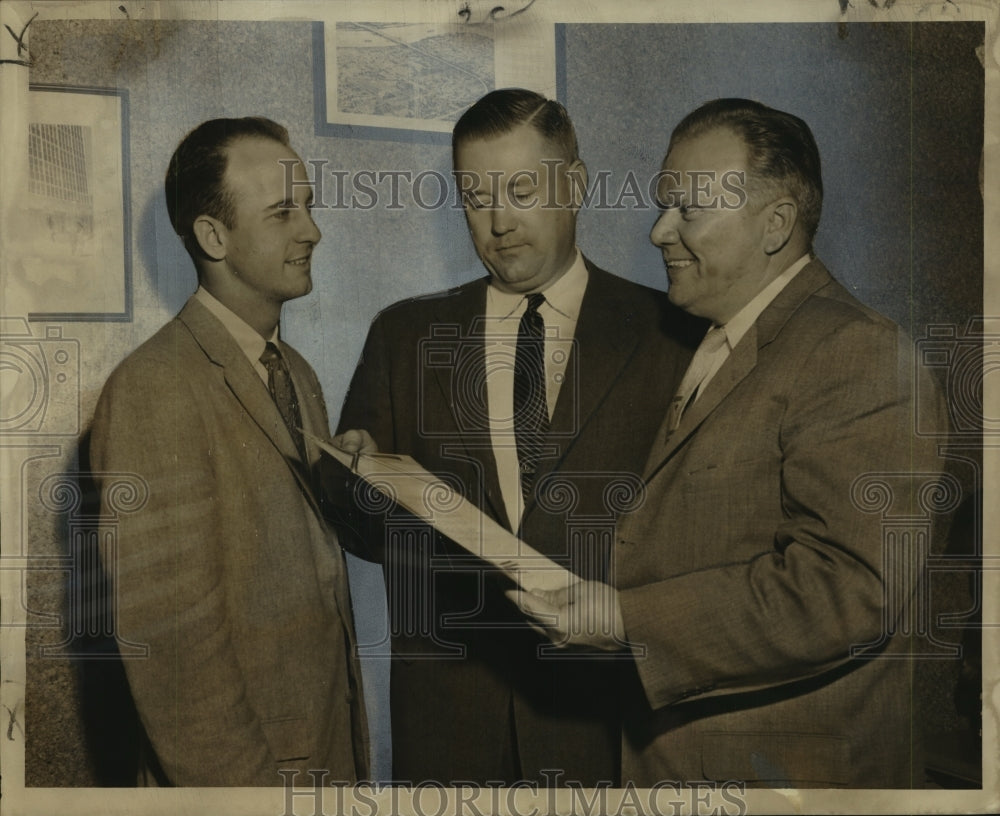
x: 781, y: 150
x: 194, y: 183
x: 501, y: 111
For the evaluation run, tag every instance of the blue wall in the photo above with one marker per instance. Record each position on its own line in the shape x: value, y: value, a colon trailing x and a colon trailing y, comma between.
x: 896, y: 110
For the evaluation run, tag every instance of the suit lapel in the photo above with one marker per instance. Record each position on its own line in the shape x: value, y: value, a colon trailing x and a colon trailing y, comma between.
x: 247, y: 387
x: 314, y: 416
x: 603, y: 343
x: 316, y: 421
x: 737, y: 366
x: 741, y: 361
x: 469, y: 408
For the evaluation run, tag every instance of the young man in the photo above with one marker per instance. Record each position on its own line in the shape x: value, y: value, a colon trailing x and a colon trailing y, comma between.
x: 227, y: 573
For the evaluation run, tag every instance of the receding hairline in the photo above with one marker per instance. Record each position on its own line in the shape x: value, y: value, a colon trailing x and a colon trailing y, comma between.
x: 228, y: 147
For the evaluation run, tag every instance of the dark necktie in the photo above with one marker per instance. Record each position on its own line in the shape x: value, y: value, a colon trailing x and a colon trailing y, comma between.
x: 531, y: 413
x: 279, y: 383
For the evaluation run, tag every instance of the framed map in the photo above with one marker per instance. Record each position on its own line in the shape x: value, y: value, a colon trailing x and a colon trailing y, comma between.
x: 412, y: 80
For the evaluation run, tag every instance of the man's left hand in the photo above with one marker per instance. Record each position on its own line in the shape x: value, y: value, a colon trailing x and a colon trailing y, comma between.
x: 586, y: 614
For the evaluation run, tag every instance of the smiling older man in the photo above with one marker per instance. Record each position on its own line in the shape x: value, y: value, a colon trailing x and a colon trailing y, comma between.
x: 757, y: 592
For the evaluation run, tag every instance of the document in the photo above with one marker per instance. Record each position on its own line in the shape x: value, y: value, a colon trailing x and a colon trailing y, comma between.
x: 436, y: 503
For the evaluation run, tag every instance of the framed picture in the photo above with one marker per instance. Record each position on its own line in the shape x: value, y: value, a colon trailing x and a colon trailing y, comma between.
x: 410, y: 81
x: 71, y: 248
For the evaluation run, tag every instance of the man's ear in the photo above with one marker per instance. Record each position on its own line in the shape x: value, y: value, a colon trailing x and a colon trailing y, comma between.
x: 576, y: 176
x: 781, y: 220
x: 210, y: 233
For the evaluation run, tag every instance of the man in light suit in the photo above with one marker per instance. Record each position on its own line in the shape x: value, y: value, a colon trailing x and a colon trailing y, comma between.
x: 227, y: 573
x: 474, y: 695
x: 760, y: 600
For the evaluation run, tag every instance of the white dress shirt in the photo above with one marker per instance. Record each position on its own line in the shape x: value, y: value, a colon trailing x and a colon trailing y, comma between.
x: 740, y: 323
x: 560, y: 313
x: 245, y: 335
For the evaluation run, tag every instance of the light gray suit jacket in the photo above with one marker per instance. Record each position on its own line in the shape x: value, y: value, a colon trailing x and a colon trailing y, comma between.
x: 227, y: 572
x: 759, y: 561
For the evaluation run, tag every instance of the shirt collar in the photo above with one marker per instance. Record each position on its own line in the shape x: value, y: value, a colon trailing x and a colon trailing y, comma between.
x: 565, y: 294
x: 740, y: 323
x: 246, y: 337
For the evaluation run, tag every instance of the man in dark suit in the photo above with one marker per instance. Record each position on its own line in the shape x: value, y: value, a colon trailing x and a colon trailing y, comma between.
x: 227, y: 572
x: 536, y: 391
x: 758, y: 587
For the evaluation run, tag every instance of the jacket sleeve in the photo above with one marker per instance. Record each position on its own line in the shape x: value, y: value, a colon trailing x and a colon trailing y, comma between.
x: 369, y: 405
x: 369, y: 402
x: 165, y: 566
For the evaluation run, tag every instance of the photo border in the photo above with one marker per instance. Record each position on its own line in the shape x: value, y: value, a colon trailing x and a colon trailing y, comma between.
x: 230, y: 801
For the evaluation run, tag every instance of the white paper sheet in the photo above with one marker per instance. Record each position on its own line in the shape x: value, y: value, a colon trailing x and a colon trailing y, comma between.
x: 434, y: 502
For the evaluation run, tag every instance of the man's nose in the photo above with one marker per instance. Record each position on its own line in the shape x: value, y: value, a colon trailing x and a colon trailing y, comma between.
x: 308, y: 231
x: 503, y: 218
x: 665, y: 229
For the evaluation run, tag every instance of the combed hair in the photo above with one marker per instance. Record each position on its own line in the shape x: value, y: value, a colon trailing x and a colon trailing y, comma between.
x: 194, y: 185
x: 500, y: 112
x: 782, y: 153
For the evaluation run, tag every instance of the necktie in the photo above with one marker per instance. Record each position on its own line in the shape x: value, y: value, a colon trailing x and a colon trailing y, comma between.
x: 531, y: 413
x: 700, y: 365
x: 279, y: 383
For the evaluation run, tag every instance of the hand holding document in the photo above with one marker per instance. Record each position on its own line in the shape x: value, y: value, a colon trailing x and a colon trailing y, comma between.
x: 584, y: 615
x: 434, y: 502
x: 351, y: 442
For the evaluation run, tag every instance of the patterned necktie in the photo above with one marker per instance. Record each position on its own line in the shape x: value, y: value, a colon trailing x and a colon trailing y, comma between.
x: 531, y: 412
x: 696, y: 372
x: 279, y: 383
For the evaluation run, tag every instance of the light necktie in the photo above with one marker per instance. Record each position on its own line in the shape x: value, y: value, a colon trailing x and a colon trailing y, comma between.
x: 696, y: 372
x: 531, y: 413
x: 279, y: 383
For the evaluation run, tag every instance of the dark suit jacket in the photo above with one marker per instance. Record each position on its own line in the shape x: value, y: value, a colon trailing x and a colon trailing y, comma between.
x: 770, y: 547
x: 226, y: 571
x: 472, y: 699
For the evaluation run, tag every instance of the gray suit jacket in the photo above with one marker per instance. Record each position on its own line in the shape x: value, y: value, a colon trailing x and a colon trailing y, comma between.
x: 760, y: 560
x: 226, y: 571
